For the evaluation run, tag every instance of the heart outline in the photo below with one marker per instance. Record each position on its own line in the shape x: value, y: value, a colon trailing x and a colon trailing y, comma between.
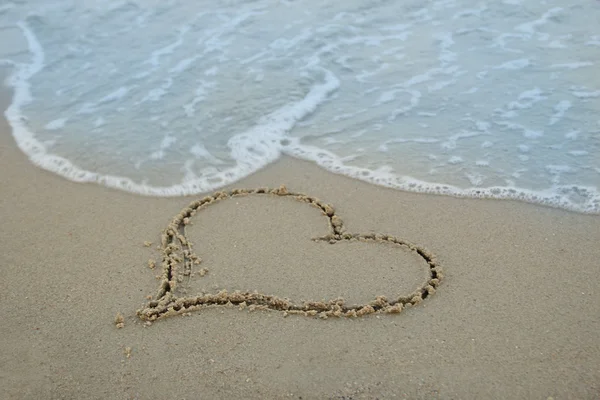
x: 177, y: 249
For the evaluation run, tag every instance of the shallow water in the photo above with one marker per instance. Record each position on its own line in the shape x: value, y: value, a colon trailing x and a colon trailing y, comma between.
x: 491, y: 98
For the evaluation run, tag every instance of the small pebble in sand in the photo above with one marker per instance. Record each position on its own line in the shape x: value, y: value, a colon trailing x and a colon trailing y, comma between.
x: 147, y: 244
x: 151, y: 263
x: 127, y: 352
x: 119, y: 320
x: 203, y: 272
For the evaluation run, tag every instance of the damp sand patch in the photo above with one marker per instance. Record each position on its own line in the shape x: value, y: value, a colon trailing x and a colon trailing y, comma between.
x: 273, y: 249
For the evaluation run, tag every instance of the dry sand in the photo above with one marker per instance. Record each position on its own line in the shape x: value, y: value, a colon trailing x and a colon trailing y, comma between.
x: 517, y: 314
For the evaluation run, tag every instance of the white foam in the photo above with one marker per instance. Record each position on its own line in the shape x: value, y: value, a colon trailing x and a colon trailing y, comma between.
x: 455, y: 160
x: 534, y: 95
x: 594, y: 41
x: 99, y: 122
x: 154, y: 59
x: 528, y: 133
x: 578, y: 153
x: 500, y: 41
x: 168, y: 141
x: 573, y: 65
x: 200, y: 152
x: 558, y: 169
x: 212, y: 71
x: 450, y: 143
x: 586, y: 95
x: 384, y: 146
x: 157, y: 93
x: 415, y: 97
x: 342, y: 117
x: 530, y: 27
x: 200, y: 96
x: 445, y: 42
x: 514, y: 64
x: 420, y: 78
x: 182, y: 65
x: 475, y: 179
x: 113, y: 96
x: 556, y: 44
x: 585, y: 199
x: 476, y: 12
x: 440, y: 85
x: 559, y: 111
x: 165, y: 144
x: 286, y: 44
x: 19, y: 80
x: 386, y: 97
x: 483, y: 126
x: 221, y: 136
x: 253, y: 149
x: 572, y: 134
x: 56, y: 124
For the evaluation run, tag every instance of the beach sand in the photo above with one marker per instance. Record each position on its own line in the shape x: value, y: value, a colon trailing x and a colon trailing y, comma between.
x: 517, y: 314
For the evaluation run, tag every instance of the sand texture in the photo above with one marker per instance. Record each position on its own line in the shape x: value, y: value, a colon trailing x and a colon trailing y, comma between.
x: 360, y: 264
x: 106, y: 294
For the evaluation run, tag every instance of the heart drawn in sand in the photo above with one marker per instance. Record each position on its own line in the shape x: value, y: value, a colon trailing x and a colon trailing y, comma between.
x: 179, y: 260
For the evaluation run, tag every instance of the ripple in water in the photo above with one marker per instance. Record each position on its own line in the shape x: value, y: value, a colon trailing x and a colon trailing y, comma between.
x: 163, y: 98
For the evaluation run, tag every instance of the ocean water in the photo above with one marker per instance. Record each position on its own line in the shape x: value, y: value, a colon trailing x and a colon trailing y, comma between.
x: 461, y: 97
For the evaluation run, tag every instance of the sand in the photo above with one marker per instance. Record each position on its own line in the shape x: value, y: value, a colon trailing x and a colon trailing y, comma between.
x: 516, y: 315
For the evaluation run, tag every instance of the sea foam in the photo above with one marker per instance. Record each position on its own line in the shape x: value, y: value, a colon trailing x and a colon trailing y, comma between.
x: 166, y: 99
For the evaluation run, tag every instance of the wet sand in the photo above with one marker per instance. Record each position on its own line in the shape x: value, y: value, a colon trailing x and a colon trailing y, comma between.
x: 516, y: 315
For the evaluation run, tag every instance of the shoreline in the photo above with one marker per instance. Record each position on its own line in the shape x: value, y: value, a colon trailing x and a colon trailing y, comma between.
x: 514, y: 317
x: 66, y: 169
